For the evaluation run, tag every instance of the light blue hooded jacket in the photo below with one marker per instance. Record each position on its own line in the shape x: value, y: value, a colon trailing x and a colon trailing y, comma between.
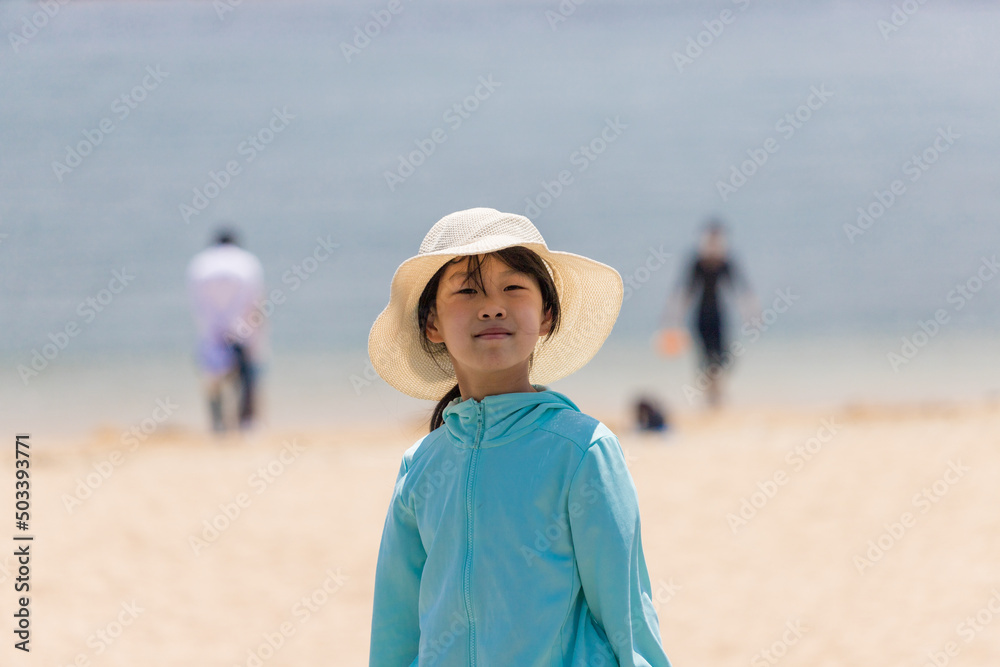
x: 512, y: 540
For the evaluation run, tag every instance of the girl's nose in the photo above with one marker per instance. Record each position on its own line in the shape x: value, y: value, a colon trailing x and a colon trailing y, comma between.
x: 495, y: 313
x: 492, y: 310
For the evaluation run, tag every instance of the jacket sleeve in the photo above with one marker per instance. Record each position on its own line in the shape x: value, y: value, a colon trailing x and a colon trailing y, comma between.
x: 604, y: 524
x: 395, y: 635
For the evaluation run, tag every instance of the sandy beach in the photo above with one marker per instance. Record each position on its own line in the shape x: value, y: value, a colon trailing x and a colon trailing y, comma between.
x: 864, y: 536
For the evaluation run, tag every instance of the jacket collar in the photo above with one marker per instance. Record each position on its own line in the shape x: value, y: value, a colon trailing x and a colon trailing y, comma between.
x: 498, y: 419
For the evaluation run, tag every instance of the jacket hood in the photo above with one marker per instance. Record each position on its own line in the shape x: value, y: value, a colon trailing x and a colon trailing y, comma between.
x: 501, y: 418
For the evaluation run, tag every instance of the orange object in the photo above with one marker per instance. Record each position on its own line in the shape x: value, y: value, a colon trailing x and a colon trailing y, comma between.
x: 671, y: 342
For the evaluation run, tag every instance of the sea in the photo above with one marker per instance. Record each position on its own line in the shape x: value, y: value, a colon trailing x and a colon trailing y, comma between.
x: 850, y: 148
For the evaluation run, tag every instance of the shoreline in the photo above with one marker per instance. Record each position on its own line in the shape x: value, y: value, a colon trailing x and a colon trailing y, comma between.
x: 330, y: 389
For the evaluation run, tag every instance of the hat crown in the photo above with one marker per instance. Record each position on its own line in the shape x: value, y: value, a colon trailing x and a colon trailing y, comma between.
x: 478, y: 230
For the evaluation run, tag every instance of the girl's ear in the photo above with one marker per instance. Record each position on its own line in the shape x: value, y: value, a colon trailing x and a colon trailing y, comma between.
x: 546, y: 325
x: 431, y: 330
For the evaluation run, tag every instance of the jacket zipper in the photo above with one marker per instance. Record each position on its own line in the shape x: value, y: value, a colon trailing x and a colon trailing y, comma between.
x: 468, y: 558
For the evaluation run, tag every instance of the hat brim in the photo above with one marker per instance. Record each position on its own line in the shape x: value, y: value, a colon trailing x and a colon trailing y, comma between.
x: 590, y: 298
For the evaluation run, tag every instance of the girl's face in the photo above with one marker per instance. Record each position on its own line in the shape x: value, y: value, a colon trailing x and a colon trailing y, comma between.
x: 489, y: 334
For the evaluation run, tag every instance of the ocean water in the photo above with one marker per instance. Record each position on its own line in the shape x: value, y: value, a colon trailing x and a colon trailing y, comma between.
x: 642, y: 109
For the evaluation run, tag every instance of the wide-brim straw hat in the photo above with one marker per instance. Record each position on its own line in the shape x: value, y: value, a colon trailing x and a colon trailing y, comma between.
x: 590, y: 296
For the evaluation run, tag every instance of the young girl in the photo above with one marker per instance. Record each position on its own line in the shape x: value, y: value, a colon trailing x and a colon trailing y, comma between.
x: 512, y: 537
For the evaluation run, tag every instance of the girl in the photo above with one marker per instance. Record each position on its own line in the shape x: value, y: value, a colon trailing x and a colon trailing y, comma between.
x: 512, y: 537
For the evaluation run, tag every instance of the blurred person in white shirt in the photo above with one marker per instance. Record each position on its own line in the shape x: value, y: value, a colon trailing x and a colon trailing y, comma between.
x: 226, y: 289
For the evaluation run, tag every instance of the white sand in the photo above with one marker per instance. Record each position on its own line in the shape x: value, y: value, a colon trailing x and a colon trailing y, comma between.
x: 723, y: 596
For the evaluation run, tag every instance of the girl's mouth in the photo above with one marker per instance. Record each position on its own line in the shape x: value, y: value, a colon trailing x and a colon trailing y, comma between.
x: 494, y: 333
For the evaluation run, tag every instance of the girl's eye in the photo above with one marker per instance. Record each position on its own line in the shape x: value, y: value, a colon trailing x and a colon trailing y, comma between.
x: 467, y: 290
x: 513, y: 287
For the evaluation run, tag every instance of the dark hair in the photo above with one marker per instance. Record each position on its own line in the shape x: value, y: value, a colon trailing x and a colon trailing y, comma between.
x: 520, y: 259
x: 224, y: 236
